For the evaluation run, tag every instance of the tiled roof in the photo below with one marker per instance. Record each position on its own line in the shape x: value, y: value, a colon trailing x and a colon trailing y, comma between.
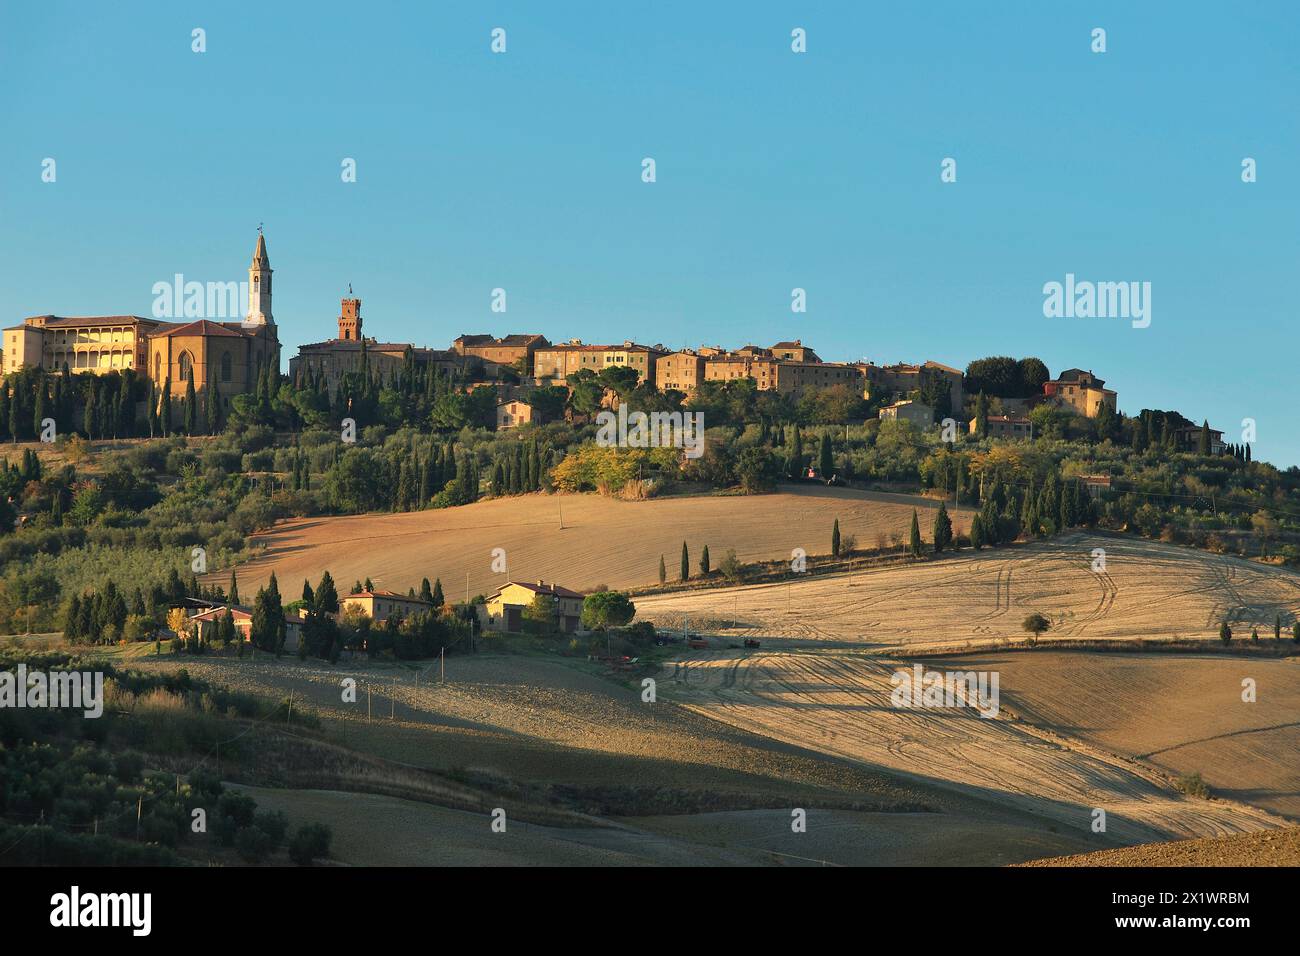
x: 57, y: 321
x: 541, y: 587
x: 205, y: 328
x: 391, y: 595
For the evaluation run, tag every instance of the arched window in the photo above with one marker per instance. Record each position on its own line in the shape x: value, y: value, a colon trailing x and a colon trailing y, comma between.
x: 187, y: 367
x: 225, y: 366
x: 157, y: 367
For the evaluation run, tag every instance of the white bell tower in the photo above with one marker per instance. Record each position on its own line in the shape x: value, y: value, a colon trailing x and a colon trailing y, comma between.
x: 259, y: 286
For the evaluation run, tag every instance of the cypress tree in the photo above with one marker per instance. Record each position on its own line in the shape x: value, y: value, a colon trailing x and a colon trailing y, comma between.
x: 704, y: 561
x: 835, y: 539
x: 914, y: 537
x: 438, y: 599
x: 165, y: 408
x: 191, y: 408
x: 686, y: 563
x: 942, y: 528
x: 663, y: 570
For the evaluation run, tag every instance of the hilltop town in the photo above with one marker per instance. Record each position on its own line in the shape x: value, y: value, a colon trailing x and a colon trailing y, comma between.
x: 179, y: 371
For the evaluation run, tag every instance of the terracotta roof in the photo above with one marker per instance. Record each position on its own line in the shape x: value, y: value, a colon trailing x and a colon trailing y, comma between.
x: 625, y: 347
x: 1074, y: 374
x: 58, y: 321
x: 204, y: 327
x: 541, y: 587
x: 796, y: 344
x: 352, y: 345
x: 386, y: 594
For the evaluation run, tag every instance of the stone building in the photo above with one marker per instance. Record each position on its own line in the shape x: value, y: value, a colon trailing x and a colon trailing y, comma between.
x: 223, y: 356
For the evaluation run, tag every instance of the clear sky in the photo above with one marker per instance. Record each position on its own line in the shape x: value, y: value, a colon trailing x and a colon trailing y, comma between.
x: 775, y: 170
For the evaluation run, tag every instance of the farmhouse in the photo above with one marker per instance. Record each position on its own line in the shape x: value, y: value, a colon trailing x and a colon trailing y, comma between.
x: 514, y: 413
x: 918, y: 413
x: 379, y: 606
x: 1005, y: 426
x: 507, y: 603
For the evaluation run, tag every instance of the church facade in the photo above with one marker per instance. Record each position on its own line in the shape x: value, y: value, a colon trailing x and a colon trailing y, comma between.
x: 222, y: 356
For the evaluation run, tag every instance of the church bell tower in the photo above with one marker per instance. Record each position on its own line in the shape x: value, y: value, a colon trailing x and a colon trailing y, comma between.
x: 259, y: 286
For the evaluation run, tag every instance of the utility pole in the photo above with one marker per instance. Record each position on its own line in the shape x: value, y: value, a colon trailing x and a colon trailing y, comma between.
x: 442, y: 663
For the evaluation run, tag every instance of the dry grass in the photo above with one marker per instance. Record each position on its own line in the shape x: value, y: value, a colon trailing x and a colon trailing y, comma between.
x: 604, y: 540
x: 1148, y: 591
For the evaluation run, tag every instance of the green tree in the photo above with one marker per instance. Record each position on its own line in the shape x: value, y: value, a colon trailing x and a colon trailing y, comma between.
x: 942, y: 528
x: 540, y: 613
x: 1225, y: 632
x: 1036, y: 624
x: 268, y: 625
x: 704, y: 561
x: 663, y: 570
x: 686, y: 563
x: 191, y: 407
x: 914, y: 537
x: 327, y: 595
x: 825, y: 458
x: 835, y: 539
x: 981, y: 415
x: 606, y: 609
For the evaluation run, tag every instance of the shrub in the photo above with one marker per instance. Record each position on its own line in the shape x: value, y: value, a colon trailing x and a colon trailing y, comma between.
x: 1192, y: 785
x: 253, y: 844
x: 274, y: 824
x: 309, y: 843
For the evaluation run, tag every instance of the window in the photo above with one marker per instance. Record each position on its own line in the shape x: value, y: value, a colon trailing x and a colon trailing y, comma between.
x: 225, y: 366
x: 187, y: 366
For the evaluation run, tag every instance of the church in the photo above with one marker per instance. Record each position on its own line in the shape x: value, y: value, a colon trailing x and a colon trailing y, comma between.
x: 223, y: 356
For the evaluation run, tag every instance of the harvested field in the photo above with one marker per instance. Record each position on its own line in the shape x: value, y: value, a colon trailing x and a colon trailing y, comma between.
x: 1181, y: 713
x: 604, y: 540
x: 536, y: 730
x: 840, y: 705
x: 1270, y: 848
x: 1148, y: 590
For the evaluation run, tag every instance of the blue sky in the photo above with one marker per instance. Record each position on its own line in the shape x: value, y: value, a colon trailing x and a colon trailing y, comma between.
x: 775, y: 170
